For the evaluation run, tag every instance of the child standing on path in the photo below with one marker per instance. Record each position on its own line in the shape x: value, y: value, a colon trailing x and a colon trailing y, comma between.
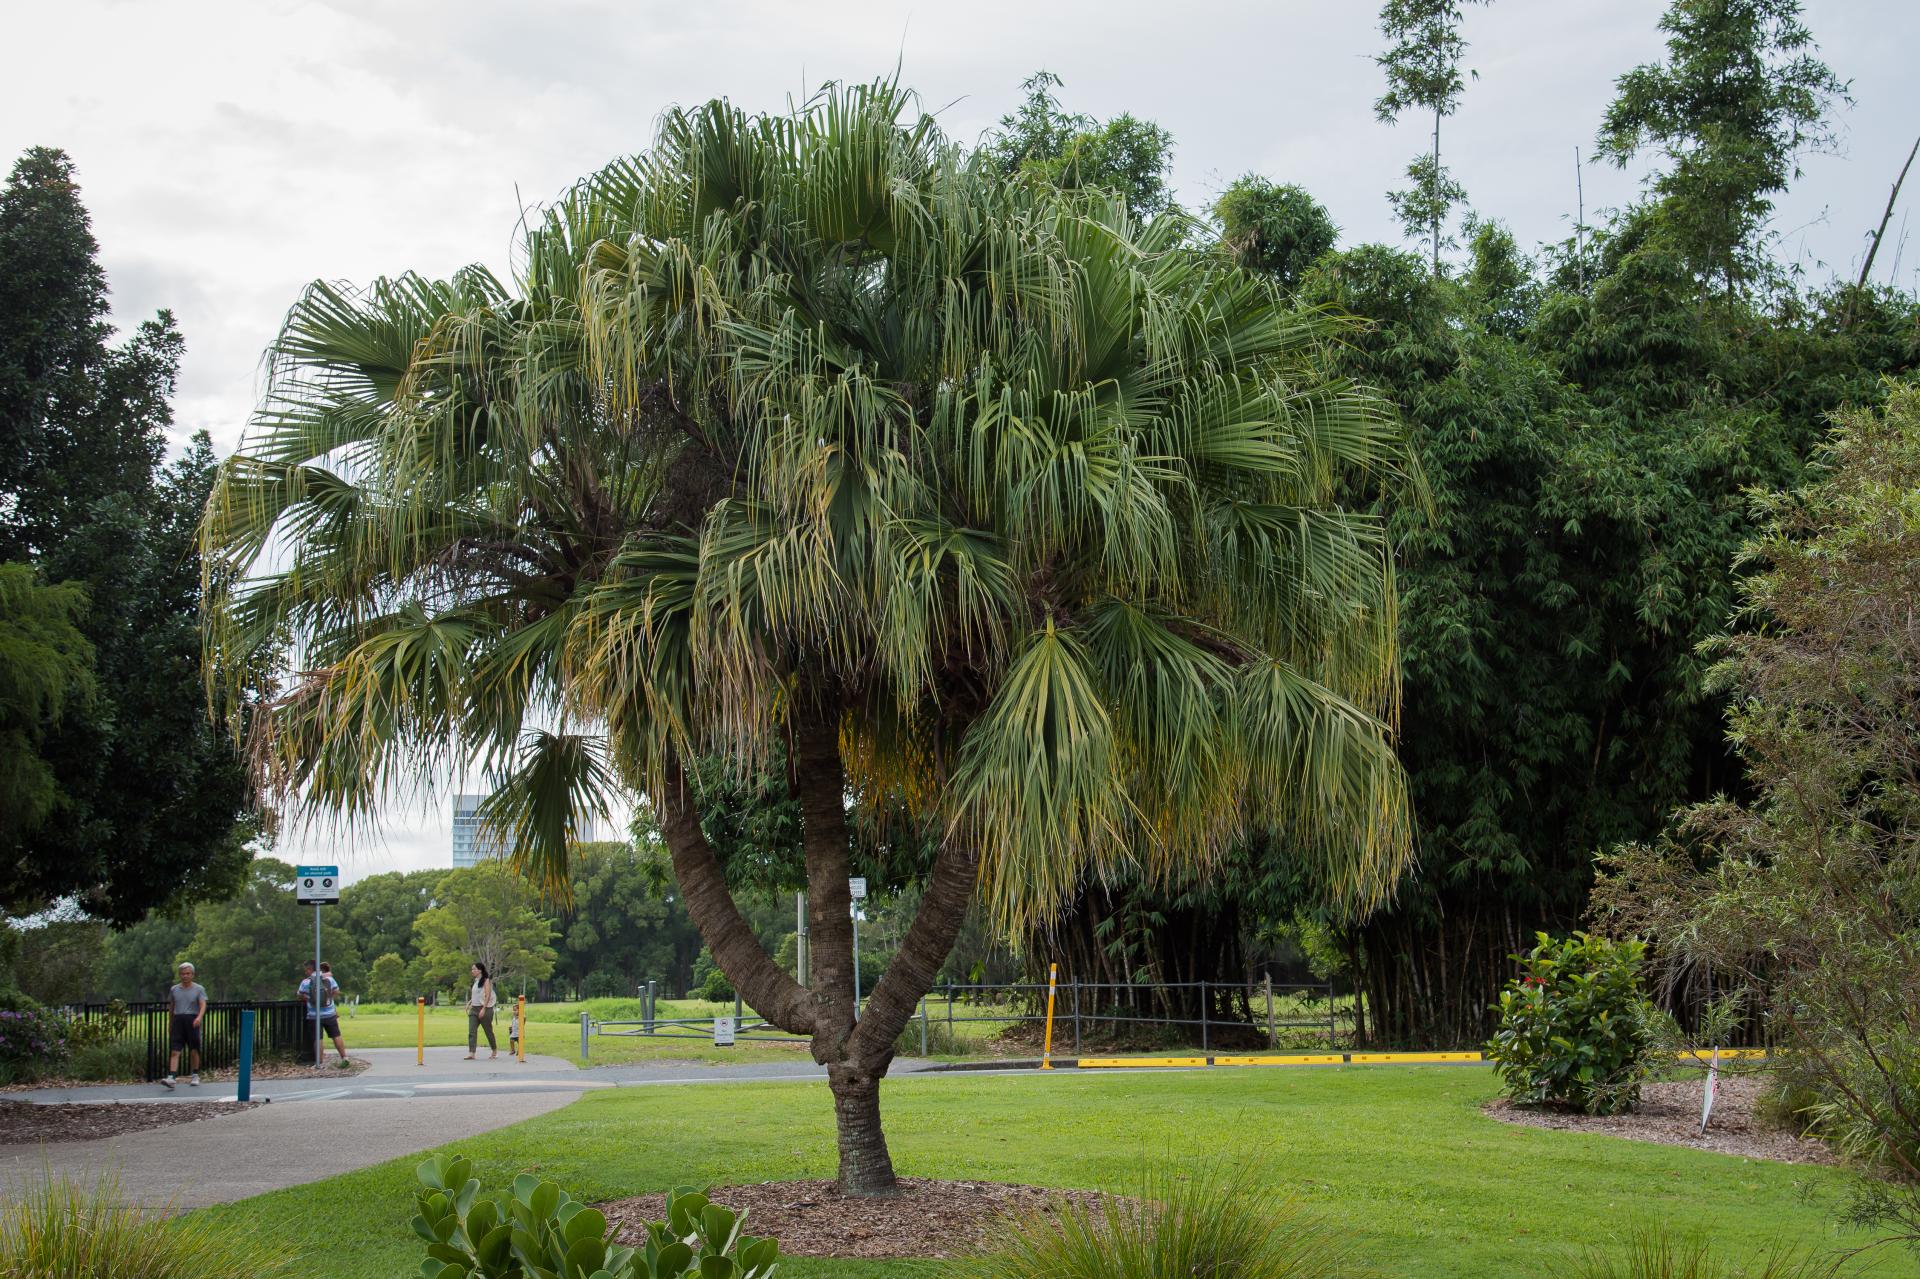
x: 189, y: 1003
x: 480, y: 1003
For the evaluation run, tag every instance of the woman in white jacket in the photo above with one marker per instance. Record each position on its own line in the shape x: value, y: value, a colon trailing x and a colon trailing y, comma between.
x: 480, y: 1013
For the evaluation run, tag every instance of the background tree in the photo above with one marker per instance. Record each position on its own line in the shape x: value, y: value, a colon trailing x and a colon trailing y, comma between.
x: 1126, y: 155
x: 139, y: 961
x: 1423, y: 73
x: 387, y: 980
x: 1739, y: 99
x: 251, y: 946
x: 378, y: 911
x: 1064, y: 571
x: 46, y: 665
x: 486, y: 915
x: 1275, y: 229
x: 149, y: 805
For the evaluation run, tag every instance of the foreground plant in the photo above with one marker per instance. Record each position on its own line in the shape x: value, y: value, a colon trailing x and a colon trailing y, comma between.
x: 1576, y: 1027
x: 1209, y: 1223
x: 1658, y: 1254
x: 536, y: 1231
x: 812, y: 437
x: 63, y: 1229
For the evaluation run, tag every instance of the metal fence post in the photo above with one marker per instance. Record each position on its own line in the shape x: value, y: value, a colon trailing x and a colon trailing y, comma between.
x: 584, y: 1019
x: 1203, y: 1014
x: 1333, y: 1029
x: 1267, y: 982
x: 923, y: 1025
x: 1076, y: 1016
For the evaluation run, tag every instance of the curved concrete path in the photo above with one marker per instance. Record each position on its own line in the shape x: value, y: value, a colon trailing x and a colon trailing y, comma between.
x: 401, y: 1108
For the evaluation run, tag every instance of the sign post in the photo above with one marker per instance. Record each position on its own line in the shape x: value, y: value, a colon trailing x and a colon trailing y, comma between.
x: 318, y: 886
x: 856, y: 889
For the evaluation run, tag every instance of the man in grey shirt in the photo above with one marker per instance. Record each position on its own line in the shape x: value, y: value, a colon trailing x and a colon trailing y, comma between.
x: 189, y: 999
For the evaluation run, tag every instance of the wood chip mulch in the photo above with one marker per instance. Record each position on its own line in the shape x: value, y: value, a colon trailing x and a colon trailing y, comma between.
x: 25, y: 1123
x: 1669, y: 1113
x: 275, y: 1068
x: 813, y: 1219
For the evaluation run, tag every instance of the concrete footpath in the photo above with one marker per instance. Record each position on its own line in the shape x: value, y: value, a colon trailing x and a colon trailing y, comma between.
x: 403, y: 1108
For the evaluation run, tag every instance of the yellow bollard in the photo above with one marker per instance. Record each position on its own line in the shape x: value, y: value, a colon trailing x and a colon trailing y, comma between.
x: 420, y: 1057
x: 1046, y: 1053
x: 520, y: 1014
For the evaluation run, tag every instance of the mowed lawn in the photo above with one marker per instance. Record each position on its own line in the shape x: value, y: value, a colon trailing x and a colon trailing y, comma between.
x: 1399, y: 1159
x: 558, y: 1035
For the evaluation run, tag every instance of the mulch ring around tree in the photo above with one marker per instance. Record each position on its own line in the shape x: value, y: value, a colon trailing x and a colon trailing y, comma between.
x: 25, y: 1123
x: 1669, y: 1113
x: 813, y: 1219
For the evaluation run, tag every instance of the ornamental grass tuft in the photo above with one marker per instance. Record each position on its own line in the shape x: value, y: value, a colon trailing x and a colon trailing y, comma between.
x: 1210, y: 1222
x: 63, y: 1229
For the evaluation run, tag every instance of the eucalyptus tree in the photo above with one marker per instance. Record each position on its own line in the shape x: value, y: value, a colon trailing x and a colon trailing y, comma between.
x: 809, y: 435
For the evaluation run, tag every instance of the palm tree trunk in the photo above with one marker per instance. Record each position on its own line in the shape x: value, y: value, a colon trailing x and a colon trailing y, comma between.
x: 856, y: 1047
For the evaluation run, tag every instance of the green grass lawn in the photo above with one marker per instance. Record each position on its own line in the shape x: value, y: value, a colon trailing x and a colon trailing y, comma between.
x: 1399, y: 1158
x: 559, y: 1036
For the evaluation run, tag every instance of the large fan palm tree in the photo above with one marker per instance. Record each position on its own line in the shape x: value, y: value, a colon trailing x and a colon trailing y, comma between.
x: 809, y: 433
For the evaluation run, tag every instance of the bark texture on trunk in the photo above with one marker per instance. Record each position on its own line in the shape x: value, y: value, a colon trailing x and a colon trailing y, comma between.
x: 856, y: 1047
x: 866, y: 1169
x: 703, y: 885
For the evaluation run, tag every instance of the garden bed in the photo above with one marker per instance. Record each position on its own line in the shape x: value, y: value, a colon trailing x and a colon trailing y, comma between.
x: 813, y: 1219
x: 25, y: 1123
x: 1669, y: 1113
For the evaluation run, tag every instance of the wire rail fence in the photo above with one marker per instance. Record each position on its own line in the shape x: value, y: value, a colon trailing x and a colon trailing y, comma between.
x: 1008, y: 1018
x: 280, y: 1028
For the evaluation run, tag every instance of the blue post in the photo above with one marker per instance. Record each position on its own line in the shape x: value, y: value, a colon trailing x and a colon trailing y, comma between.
x: 246, y: 1055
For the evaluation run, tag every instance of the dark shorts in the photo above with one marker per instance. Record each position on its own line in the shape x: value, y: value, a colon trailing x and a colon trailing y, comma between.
x: 185, y: 1033
x: 331, y: 1024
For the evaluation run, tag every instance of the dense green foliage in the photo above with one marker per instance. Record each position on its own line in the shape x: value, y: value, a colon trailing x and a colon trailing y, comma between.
x: 125, y: 797
x: 1127, y: 156
x: 537, y: 1231
x: 485, y: 916
x: 1575, y: 1026
x: 1805, y: 891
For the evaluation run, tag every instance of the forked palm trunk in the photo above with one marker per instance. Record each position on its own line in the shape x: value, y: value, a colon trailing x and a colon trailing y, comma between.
x: 856, y: 1050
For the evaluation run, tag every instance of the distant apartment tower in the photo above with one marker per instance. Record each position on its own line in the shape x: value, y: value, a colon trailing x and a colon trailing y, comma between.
x: 470, y: 843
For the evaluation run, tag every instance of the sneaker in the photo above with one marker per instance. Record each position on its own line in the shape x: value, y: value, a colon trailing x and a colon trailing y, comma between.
x: 195, y: 1081
x: 167, y: 1082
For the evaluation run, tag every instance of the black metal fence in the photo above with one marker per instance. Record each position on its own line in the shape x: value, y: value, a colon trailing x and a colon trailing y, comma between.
x: 1010, y: 1018
x: 280, y: 1028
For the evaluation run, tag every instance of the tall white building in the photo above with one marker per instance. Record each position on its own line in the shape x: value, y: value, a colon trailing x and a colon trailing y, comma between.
x: 470, y: 843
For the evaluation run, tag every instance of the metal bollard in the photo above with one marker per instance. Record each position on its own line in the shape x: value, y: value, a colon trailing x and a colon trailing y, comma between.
x: 584, y: 1020
x: 245, y: 1089
x: 923, y: 1025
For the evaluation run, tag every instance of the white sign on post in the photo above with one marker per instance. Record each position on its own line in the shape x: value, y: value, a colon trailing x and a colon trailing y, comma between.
x: 316, y: 885
x: 857, y: 888
x: 723, y: 1032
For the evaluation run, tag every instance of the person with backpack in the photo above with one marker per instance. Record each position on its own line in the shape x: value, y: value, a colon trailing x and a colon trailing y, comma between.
x: 318, y: 994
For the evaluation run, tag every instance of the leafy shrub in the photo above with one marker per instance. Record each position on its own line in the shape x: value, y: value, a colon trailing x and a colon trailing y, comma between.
x: 32, y: 1040
x: 536, y: 1230
x: 107, y: 1062
x: 59, y: 1229
x: 1215, y: 1222
x: 1575, y: 1025
x: 1655, y: 1254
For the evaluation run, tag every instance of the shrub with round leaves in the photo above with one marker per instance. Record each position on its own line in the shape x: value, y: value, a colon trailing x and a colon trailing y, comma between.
x: 536, y: 1231
x: 1575, y: 1025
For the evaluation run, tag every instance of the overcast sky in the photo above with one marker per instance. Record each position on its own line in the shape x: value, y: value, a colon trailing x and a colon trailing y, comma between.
x: 231, y: 152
